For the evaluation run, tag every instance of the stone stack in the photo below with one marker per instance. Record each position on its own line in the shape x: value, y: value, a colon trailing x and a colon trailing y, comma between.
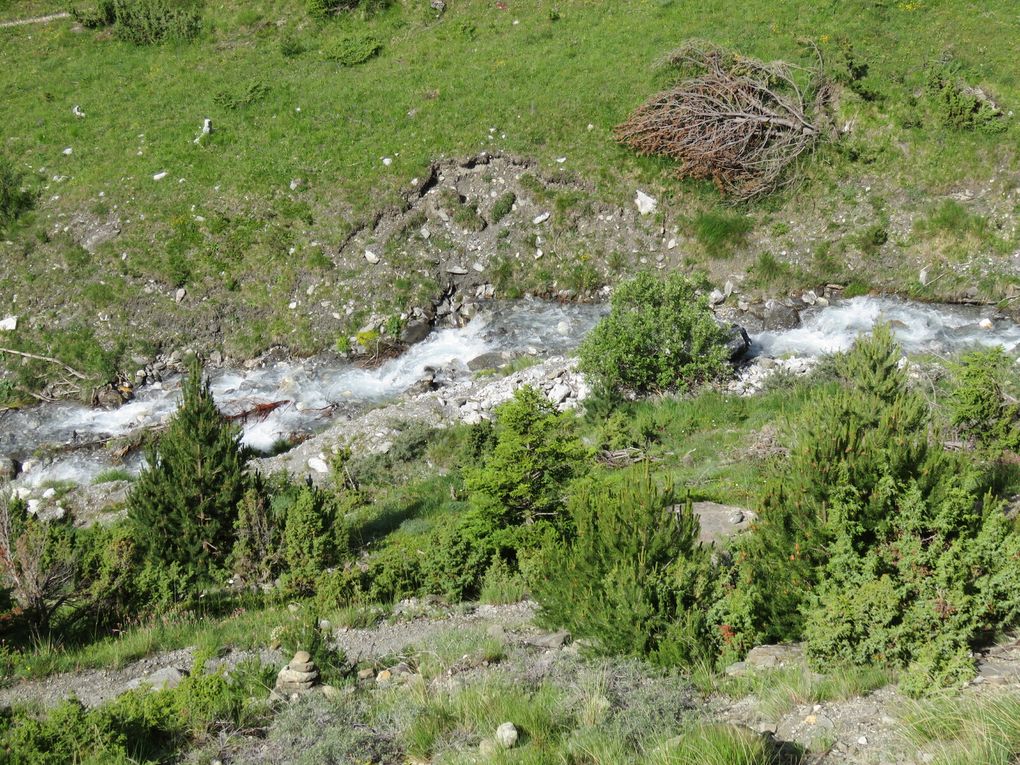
x: 298, y: 676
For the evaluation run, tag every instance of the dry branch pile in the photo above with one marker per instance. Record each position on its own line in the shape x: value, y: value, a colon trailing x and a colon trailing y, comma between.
x: 737, y: 121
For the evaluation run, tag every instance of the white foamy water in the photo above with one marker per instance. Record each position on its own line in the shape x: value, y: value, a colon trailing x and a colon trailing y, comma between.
x: 317, y: 388
x: 918, y: 327
x: 313, y: 389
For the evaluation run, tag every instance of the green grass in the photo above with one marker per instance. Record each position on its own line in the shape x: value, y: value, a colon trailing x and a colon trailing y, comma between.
x: 247, y: 629
x: 225, y: 218
x: 965, y: 731
x: 778, y: 691
x: 721, y: 233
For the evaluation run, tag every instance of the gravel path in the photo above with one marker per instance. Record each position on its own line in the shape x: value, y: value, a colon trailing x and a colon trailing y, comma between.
x: 93, y: 687
x: 36, y: 20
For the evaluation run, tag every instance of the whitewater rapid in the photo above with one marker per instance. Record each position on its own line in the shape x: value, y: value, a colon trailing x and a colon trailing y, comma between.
x: 317, y: 389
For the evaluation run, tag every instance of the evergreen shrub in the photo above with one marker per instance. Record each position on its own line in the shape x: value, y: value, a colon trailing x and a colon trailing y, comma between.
x: 660, y: 335
x: 633, y: 579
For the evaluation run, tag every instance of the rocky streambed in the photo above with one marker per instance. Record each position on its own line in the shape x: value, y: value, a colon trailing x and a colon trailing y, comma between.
x: 308, y: 408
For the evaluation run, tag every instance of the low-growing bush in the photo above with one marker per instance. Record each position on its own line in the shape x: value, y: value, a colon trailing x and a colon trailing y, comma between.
x: 959, y: 105
x: 322, y: 9
x: 979, y: 406
x: 14, y: 198
x: 351, y: 48
x: 634, y: 579
x: 140, y: 725
x: 145, y: 22
x: 535, y: 455
x: 874, y: 544
x: 659, y: 336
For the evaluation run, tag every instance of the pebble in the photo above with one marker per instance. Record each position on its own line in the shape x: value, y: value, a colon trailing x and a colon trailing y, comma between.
x: 159, y: 176
x: 540, y: 219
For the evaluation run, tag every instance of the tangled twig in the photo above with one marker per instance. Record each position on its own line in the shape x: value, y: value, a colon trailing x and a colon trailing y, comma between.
x: 737, y: 121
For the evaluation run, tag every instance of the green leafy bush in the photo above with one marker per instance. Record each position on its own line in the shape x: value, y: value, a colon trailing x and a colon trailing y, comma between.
x: 634, y: 578
x: 184, y: 505
x: 140, y: 726
x: 351, y: 48
x: 14, y: 199
x: 659, y: 336
x: 322, y: 9
x: 979, y: 406
x: 145, y: 22
x: 874, y: 544
x: 314, y: 537
x: 536, y: 454
x: 959, y: 105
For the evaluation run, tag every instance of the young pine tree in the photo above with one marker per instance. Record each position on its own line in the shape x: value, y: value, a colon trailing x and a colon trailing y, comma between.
x: 184, y: 505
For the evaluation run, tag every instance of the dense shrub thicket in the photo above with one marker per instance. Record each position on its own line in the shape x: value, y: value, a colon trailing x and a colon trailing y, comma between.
x: 633, y: 577
x: 146, y: 22
x: 875, y: 544
x: 659, y: 336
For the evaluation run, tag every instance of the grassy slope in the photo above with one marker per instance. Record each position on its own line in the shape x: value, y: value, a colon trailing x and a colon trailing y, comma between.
x: 436, y: 89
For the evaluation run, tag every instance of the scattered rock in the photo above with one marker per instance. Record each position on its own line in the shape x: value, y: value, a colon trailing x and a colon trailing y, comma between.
x: 720, y: 522
x: 180, y: 294
x: 159, y: 176
x: 774, y: 656
x: 506, y: 735
x: 371, y: 257
x: 160, y: 680
x: 549, y: 640
x: 646, y: 204
x: 8, y: 324
x: 318, y: 464
x: 456, y: 270
x: 415, y: 331
x: 541, y: 218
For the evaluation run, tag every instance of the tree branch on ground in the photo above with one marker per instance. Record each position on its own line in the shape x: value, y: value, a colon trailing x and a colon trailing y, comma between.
x: 739, y: 122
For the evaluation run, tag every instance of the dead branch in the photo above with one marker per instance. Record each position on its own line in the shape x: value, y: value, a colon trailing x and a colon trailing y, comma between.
x: 734, y: 120
x: 51, y: 360
x: 259, y: 411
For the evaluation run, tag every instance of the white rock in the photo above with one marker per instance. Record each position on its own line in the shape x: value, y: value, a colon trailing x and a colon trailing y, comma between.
x: 77, y: 111
x: 295, y: 184
x: 539, y: 219
x: 387, y: 161
x: 68, y: 151
x: 646, y: 204
x: 559, y: 393
x: 561, y: 160
x: 33, y: 506
x: 986, y: 324
x: 180, y: 294
x: 716, y: 297
x: 863, y: 741
x: 923, y: 276
x: 371, y: 257
x: 538, y: 253
x: 50, y: 492
x: 318, y: 465
x: 671, y: 245
x: 206, y: 126
x: 506, y: 735
x: 425, y: 233
x: 8, y: 324
x: 159, y: 176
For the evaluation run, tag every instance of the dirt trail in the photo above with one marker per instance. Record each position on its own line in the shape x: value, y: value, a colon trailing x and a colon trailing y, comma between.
x: 36, y: 20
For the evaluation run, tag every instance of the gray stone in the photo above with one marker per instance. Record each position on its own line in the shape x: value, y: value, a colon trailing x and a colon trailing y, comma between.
x: 160, y: 680
x: 456, y: 270
x: 415, y: 332
x: 774, y: 656
x: 780, y: 316
x: 720, y: 522
x: 506, y: 735
x: 301, y: 666
x: 289, y: 676
x: 738, y: 343
x: 549, y: 639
